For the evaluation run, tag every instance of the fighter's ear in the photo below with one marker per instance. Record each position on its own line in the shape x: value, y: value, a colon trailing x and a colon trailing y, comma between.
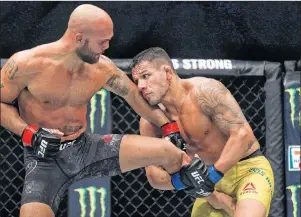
x: 168, y: 71
x: 79, y: 37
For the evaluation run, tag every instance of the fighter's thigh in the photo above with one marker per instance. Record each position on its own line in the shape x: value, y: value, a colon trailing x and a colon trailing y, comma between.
x: 98, y: 156
x: 36, y: 210
x: 140, y: 151
x: 43, y: 181
x: 201, y: 208
x: 254, y: 196
x: 130, y: 152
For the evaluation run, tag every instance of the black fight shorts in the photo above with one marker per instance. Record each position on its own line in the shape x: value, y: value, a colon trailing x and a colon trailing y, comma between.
x: 88, y: 156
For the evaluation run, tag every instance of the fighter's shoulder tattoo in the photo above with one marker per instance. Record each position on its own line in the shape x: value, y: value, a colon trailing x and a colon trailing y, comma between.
x: 10, y: 69
x: 119, y: 84
x: 216, y: 102
x: 118, y: 81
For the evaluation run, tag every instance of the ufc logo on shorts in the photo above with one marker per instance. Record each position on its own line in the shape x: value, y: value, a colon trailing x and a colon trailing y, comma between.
x: 197, y: 177
x: 42, y: 147
x: 66, y: 145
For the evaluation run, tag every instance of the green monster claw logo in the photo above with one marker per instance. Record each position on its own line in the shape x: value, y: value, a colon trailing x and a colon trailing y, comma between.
x: 102, y: 94
x: 93, y: 191
x: 294, y: 198
x: 293, y: 92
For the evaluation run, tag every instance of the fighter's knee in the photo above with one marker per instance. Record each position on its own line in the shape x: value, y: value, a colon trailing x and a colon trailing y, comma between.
x: 36, y: 209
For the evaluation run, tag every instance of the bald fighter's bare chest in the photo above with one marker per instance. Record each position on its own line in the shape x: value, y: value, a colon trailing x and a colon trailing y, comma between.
x: 61, y: 88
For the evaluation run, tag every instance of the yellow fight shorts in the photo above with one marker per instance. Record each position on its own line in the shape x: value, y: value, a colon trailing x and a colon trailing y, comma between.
x: 251, y: 178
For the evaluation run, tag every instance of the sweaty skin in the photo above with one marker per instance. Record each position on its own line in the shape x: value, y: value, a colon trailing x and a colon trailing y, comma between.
x: 56, y: 98
x: 54, y: 82
x: 193, y: 112
x: 209, y: 118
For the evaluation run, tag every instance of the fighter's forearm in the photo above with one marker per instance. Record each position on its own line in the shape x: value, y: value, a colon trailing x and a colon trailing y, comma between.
x: 11, y: 120
x: 151, y: 113
x: 234, y: 150
x: 120, y: 84
x: 219, y: 200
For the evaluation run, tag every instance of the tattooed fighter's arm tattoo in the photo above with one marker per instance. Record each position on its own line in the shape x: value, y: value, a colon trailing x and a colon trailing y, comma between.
x: 11, y: 84
x: 117, y: 80
x: 216, y: 102
x: 13, y: 80
x: 119, y: 84
x: 11, y: 69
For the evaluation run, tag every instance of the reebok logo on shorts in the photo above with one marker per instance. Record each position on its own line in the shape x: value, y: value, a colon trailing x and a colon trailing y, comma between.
x: 249, y: 188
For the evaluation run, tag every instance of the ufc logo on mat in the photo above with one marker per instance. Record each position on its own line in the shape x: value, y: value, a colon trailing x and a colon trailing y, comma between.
x: 42, y: 147
x: 197, y: 177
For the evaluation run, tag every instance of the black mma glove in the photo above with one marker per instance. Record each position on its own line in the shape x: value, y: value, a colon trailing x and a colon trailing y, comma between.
x: 45, y: 144
x: 171, y: 132
x: 196, y: 179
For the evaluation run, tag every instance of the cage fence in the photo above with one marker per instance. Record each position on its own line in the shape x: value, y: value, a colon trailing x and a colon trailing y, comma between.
x: 131, y: 193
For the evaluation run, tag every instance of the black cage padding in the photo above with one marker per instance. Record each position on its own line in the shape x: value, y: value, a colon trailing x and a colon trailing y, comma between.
x: 249, y: 82
x: 257, y: 88
x: 274, y: 135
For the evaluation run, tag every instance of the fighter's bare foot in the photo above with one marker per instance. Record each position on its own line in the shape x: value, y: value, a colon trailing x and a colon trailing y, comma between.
x: 223, y: 201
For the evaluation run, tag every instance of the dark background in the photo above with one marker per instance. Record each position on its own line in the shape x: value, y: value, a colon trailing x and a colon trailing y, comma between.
x: 222, y: 30
x: 233, y: 30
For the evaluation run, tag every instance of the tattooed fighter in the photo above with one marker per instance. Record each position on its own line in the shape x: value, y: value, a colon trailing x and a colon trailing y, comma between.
x: 213, y: 127
x: 53, y: 84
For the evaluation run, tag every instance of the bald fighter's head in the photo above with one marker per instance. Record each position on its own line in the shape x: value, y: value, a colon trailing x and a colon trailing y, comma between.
x: 93, y: 30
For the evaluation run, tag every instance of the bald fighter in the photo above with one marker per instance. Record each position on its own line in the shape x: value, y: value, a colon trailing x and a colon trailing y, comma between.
x: 52, y: 84
x: 213, y: 127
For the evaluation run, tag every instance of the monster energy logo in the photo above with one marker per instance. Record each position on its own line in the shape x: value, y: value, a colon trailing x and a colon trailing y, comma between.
x: 293, y: 92
x: 93, y: 102
x: 93, y: 192
x: 294, y: 198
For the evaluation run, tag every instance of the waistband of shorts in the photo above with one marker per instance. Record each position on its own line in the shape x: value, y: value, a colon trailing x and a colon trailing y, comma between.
x: 256, y: 153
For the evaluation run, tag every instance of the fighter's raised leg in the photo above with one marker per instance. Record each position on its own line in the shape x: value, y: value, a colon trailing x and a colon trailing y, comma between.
x: 140, y: 151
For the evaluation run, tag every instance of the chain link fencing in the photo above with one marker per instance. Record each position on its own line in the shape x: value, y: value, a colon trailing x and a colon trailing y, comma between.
x: 131, y: 193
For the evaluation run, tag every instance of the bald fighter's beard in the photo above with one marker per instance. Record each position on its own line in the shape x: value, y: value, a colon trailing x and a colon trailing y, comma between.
x: 85, y: 54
